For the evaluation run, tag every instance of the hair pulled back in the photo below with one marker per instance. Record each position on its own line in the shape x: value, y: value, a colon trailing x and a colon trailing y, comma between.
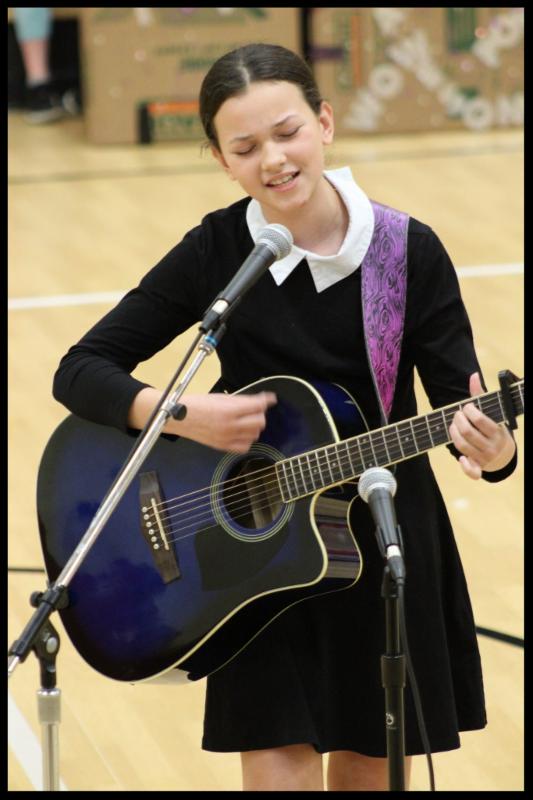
x: 233, y: 72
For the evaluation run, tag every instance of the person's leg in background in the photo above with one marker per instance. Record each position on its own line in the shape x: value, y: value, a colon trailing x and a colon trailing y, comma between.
x: 33, y: 28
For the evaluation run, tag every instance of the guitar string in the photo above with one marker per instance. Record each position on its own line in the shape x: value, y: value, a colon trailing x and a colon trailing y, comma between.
x: 193, y: 496
x: 378, y: 450
x: 229, y: 502
x: 234, y: 506
x: 245, y: 507
x: 420, y: 422
x: 216, y: 522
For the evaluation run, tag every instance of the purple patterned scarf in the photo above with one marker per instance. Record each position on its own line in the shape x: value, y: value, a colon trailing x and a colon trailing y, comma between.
x: 383, y: 293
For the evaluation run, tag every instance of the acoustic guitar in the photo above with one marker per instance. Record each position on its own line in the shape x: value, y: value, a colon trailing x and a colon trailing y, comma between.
x: 206, y: 548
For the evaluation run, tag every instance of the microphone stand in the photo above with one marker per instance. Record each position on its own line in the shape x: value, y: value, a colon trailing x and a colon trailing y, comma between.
x: 393, y: 682
x: 393, y: 660
x: 39, y: 635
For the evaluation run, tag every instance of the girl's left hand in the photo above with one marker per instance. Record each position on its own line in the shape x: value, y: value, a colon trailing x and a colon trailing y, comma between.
x: 485, y: 444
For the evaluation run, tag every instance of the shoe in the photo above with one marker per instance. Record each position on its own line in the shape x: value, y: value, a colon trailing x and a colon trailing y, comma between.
x: 43, y: 104
x: 71, y: 102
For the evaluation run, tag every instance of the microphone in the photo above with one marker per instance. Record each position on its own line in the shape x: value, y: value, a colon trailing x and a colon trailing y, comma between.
x: 274, y: 242
x: 377, y: 487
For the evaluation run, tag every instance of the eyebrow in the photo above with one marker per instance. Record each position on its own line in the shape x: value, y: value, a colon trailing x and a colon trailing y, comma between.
x: 250, y: 135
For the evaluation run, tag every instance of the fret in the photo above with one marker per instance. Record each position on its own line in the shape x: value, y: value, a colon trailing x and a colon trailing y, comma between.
x: 478, y: 402
x: 342, y: 473
x: 437, y: 429
x: 397, y: 432
x: 429, y: 431
x: 363, y: 440
x: 345, y: 460
x: 292, y: 473
x: 445, y: 423
x: 358, y: 443
x: 359, y: 463
x: 310, y: 470
x: 292, y: 477
x: 300, y: 485
x: 317, y: 469
x: 491, y: 410
x: 331, y: 480
x: 394, y: 448
x: 406, y: 437
x: 284, y: 484
x: 304, y: 482
x: 374, y: 456
x: 414, y: 435
x: 334, y: 466
x: 331, y: 465
x: 389, y: 459
x: 501, y: 406
x: 289, y: 463
x: 496, y: 414
x: 353, y: 470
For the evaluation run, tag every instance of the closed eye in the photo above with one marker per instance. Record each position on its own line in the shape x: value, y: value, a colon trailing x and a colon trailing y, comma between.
x: 288, y: 135
x: 245, y: 152
x: 291, y: 133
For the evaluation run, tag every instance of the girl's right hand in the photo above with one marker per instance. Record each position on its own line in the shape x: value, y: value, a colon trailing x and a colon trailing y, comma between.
x: 231, y: 422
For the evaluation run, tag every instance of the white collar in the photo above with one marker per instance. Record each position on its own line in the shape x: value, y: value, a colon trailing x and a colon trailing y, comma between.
x: 327, y: 270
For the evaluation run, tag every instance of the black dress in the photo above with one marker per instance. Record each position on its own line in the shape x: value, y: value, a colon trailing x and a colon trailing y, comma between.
x: 313, y: 675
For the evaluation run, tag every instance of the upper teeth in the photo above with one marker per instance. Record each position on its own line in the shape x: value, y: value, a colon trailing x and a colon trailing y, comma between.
x: 282, y: 180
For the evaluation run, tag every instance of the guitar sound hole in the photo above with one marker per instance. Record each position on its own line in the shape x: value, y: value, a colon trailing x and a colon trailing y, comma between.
x: 251, y: 494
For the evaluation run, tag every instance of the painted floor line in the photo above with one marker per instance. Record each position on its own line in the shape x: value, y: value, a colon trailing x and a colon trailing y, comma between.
x: 88, y: 298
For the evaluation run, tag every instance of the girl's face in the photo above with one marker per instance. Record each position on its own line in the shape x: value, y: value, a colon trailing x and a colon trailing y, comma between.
x: 272, y: 143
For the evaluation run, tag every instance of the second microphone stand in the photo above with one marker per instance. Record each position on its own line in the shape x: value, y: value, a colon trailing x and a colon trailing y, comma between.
x: 393, y: 682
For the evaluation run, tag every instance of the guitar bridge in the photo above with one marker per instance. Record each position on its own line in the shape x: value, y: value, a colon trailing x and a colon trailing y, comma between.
x: 154, y: 528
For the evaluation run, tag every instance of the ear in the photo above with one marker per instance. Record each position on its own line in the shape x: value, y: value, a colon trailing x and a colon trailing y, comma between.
x: 222, y: 161
x: 326, y: 121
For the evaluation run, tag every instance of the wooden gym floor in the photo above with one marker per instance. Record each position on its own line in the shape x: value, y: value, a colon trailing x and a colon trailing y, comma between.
x: 85, y: 223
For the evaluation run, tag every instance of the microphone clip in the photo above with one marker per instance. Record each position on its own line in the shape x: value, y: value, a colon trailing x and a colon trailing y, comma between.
x: 392, y: 553
x: 384, y: 541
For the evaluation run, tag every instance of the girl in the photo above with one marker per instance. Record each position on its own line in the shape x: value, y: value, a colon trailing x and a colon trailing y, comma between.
x: 310, y: 682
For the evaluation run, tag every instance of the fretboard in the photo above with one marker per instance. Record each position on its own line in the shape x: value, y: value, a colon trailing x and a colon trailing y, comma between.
x: 342, y: 461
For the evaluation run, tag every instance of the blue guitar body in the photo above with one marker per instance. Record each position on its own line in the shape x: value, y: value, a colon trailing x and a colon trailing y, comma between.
x: 202, y: 551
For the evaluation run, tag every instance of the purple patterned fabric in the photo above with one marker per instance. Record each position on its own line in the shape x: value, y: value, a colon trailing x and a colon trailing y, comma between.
x: 383, y: 292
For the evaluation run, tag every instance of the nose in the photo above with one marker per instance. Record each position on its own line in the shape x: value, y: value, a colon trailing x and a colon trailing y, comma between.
x: 273, y: 157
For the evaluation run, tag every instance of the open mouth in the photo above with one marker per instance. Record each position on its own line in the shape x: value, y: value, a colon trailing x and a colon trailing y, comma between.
x: 285, y: 181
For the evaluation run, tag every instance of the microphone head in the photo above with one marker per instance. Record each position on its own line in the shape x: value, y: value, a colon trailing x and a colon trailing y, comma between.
x: 376, y: 478
x: 278, y: 238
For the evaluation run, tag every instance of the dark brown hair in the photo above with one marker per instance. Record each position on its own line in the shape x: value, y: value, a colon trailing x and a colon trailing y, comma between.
x: 233, y: 72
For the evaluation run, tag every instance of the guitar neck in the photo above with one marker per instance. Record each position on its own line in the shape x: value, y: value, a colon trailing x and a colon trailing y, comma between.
x: 335, y: 463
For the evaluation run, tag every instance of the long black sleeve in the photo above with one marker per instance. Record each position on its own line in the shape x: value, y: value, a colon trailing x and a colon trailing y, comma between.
x: 441, y: 339
x: 93, y: 379
x: 289, y: 329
